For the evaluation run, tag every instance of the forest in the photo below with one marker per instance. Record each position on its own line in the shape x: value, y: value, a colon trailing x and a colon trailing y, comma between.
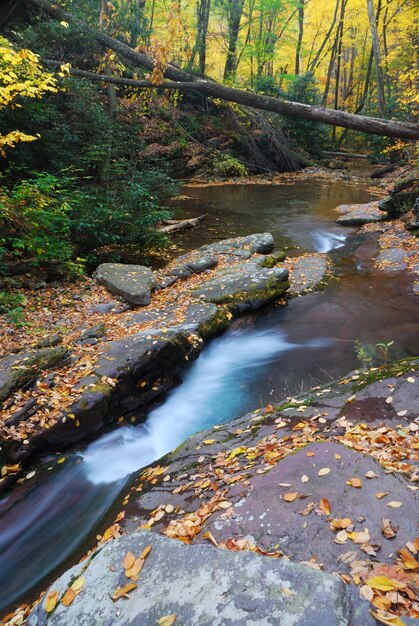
x: 209, y: 280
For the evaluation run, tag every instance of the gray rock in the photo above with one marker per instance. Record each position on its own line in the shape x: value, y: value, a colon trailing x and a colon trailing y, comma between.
x: 399, y: 203
x: 18, y: 370
x: 193, y: 263
x: 246, y: 286
x: 132, y: 282
x: 50, y: 341
x: 359, y: 214
x: 95, y: 332
x: 202, y: 585
x: 391, y: 260
x: 106, y: 307
x: 128, y: 376
x: 308, y: 272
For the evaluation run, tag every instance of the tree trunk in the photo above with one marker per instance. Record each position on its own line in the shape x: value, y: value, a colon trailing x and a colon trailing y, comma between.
x: 300, y: 36
x: 377, y: 58
x: 315, y: 61
x: 234, y: 16
x: 183, y: 81
x: 200, y: 47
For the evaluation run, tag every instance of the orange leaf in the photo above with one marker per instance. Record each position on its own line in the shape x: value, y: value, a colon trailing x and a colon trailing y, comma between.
x: 325, y: 506
x: 290, y: 496
x: 409, y: 561
x: 354, y: 482
x: 68, y: 597
x: 129, y: 560
x: 51, y: 601
x: 123, y: 591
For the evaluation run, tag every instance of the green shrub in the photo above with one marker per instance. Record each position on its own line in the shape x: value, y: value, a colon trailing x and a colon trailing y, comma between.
x: 227, y: 166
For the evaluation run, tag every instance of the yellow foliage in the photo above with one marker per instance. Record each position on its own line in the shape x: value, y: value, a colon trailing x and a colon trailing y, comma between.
x: 21, y: 76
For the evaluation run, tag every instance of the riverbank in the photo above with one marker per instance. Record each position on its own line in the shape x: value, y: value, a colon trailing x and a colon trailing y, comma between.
x: 175, y: 322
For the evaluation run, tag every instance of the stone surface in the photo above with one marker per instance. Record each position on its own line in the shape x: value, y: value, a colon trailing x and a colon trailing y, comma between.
x: 128, y: 376
x: 202, y: 585
x: 245, y: 287
x: 17, y: 370
x: 307, y: 273
x: 399, y: 203
x: 392, y: 260
x: 359, y: 214
x: 132, y: 282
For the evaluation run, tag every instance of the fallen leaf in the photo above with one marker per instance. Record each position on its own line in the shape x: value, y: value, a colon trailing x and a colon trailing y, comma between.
x: 409, y: 561
x: 325, y: 506
x: 410, y: 379
x: 129, y: 560
x: 77, y: 585
x: 304, y: 478
x: 51, y: 601
x: 360, y: 537
x: 210, y: 536
x: 208, y: 442
x: 323, y: 471
x: 123, y: 591
x: 354, y: 482
x: 338, y: 523
x: 290, y: 496
x: 68, y: 597
x: 144, y: 554
x: 387, y: 620
x: 371, y: 474
x: 167, y: 620
x: 381, y: 583
x: 341, y: 537
x: 389, y: 400
x: 381, y: 494
x: 388, y: 530
x: 394, y: 504
x: 224, y: 504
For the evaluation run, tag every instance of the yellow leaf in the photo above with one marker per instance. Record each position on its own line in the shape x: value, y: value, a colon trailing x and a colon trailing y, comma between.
x: 394, y: 504
x: 236, y: 451
x: 208, y: 442
x: 144, y: 554
x: 77, y: 585
x: 388, y: 620
x: 123, y: 591
x: 291, y: 496
x: 167, y: 620
x: 409, y: 561
x: 354, y: 482
x: 224, y: 504
x: 381, y: 583
x: 324, y: 471
x: 51, y: 601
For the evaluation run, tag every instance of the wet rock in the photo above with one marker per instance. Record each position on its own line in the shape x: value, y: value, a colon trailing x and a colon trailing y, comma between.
x: 128, y: 376
x: 106, y: 307
x: 201, y: 585
x: 392, y: 260
x: 359, y: 214
x: 263, y: 513
x: 192, y: 263
x: 245, y: 287
x: 50, y: 341
x: 204, y: 317
x: 95, y: 332
x: 134, y: 283
x: 399, y: 203
x: 18, y: 370
x: 307, y: 273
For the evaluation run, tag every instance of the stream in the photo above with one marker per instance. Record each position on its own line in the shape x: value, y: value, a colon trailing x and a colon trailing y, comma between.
x: 262, y: 358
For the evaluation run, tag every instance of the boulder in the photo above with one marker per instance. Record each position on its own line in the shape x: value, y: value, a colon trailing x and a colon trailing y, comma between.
x: 359, y: 214
x: 399, y: 203
x: 245, y: 286
x: 128, y: 376
x: 18, y: 370
x: 203, y: 585
x: 307, y: 273
x: 134, y: 283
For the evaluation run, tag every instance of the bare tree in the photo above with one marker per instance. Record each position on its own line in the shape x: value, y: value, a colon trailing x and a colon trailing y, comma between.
x: 377, y: 58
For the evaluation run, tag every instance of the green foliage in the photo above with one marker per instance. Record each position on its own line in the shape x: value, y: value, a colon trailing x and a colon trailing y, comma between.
x: 310, y: 136
x: 35, y: 224
x: 11, y: 305
x: 226, y: 166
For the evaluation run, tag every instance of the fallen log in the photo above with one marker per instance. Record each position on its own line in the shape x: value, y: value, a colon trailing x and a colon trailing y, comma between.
x: 176, y: 226
x: 381, y: 171
x: 345, y: 155
x: 186, y: 81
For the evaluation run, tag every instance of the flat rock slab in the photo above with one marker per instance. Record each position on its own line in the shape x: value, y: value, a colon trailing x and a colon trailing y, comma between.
x: 272, y: 521
x: 359, y: 214
x: 132, y: 282
x: 202, y: 585
x: 392, y: 260
x: 307, y: 273
x: 17, y: 370
x: 244, y: 287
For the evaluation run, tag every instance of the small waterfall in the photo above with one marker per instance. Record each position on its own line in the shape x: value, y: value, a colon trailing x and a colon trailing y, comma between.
x: 324, y: 241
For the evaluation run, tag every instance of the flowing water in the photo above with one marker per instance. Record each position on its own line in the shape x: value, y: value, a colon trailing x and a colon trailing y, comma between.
x: 261, y: 359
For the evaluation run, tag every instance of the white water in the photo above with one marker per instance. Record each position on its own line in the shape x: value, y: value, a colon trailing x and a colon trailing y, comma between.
x: 213, y: 391
x: 324, y: 241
